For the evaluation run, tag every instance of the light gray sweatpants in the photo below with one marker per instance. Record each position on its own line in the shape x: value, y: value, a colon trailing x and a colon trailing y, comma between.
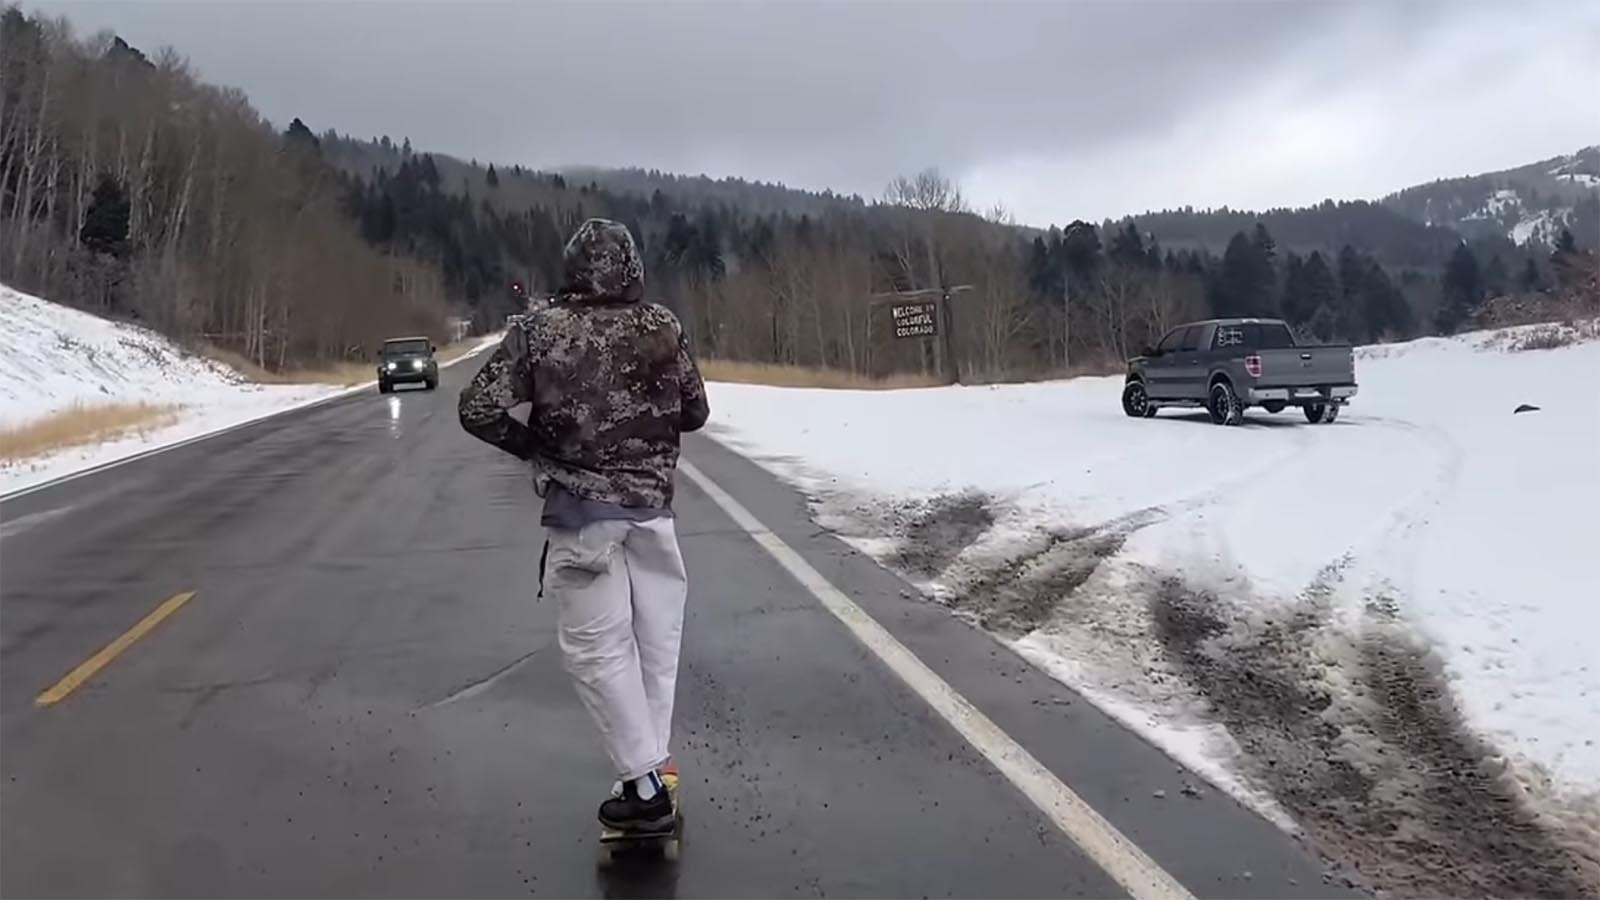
x: 621, y: 587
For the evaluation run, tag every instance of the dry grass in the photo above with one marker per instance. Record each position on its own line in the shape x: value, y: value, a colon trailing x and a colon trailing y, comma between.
x: 454, y: 352
x: 802, y: 377
x: 82, y: 424
x: 1054, y: 373
x: 346, y: 373
x: 1551, y: 336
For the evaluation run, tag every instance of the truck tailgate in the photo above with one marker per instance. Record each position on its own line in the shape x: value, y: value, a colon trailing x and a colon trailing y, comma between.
x: 1306, y: 366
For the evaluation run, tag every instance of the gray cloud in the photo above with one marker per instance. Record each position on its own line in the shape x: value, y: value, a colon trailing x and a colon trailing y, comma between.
x: 1060, y: 109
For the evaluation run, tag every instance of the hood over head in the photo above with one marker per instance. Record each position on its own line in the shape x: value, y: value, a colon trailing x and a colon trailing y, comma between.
x: 602, y: 264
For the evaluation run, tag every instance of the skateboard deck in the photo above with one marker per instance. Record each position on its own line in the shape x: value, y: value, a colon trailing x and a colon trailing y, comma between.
x: 666, y: 842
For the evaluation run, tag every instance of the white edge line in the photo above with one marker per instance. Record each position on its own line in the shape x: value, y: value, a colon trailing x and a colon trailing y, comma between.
x: 206, y: 436
x: 1111, y: 850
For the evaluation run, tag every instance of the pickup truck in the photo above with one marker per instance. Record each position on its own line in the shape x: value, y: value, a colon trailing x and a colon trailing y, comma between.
x: 1230, y: 365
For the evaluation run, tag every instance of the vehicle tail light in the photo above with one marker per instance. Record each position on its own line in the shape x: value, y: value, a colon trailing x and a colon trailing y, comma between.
x: 1252, y: 364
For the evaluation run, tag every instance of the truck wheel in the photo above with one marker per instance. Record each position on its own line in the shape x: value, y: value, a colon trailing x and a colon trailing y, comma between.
x: 384, y: 387
x: 1274, y: 406
x: 1224, y: 405
x: 1136, y: 402
x: 1322, y: 413
x: 432, y: 384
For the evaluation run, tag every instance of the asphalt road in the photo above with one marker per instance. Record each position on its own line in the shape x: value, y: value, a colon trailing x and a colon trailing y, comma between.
x: 364, y: 697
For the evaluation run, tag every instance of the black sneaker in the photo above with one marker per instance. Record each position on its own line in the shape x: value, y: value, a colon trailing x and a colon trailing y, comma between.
x: 628, y: 813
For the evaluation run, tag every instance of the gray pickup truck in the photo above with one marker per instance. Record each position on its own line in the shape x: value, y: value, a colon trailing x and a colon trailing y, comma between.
x: 1229, y: 365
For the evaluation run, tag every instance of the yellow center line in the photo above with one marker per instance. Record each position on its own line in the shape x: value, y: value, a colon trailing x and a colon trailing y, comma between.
x: 75, y: 679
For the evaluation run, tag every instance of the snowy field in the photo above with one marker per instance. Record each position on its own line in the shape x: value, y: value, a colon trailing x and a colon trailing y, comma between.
x: 1291, y: 609
x: 52, y: 357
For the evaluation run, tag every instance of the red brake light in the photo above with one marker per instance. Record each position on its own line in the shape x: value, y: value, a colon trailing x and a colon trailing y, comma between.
x: 1252, y: 364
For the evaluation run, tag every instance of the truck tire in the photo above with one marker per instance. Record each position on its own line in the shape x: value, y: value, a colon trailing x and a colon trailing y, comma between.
x: 384, y: 387
x: 1321, y: 413
x: 1274, y: 406
x: 1224, y: 405
x: 1136, y: 401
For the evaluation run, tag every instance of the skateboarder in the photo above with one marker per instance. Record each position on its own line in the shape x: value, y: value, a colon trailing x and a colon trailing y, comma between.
x: 611, y: 384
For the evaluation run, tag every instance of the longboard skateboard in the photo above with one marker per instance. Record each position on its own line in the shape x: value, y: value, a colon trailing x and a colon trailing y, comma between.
x: 667, y: 842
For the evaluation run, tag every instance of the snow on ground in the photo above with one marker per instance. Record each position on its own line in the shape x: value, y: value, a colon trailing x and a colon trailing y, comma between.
x: 1276, y: 593
x: 52, y: 357
x: 1502, y: 200
x: 1543, y: 227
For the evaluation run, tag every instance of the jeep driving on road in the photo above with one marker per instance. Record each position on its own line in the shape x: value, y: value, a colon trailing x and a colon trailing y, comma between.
x: 407, y: 360
x: 1230, y: 365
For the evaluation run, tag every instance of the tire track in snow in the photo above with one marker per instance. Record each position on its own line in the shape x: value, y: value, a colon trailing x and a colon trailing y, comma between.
x: 1358, y: 737
x: 1350, y: 729
x: 1393, y: 552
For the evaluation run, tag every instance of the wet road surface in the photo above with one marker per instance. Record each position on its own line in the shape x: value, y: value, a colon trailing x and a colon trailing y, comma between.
x: 364, y: 698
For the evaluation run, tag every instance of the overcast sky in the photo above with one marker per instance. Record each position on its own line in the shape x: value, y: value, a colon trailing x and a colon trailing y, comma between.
x: 1059, y: 109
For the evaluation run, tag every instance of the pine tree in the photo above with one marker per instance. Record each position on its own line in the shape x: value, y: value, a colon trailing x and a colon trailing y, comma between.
x: 1386, y: 312
x: 1127, y: 247
x: 429, y: 172
x: 1321, y: 296
x: 297, y: 134
x: 1565, y: 244
x: 1529, y: 281
x: 1042, y: 274
x: 105, y: 223
x: 1080, y: 246
x: 1349, y: 316
x: 1462, y: 290
x: 1244, y: 286
x: 492, y: 177
x: 1496, y: 280
x: 1266, y: 251
x: 1297, y: 304
x: 1324, y: 324
x: 1264, y: 243
x: 1566, y: 260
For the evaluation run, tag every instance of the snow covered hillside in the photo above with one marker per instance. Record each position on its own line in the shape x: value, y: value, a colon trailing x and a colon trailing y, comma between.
x: 53, y: 358
x: 1393, y: 615
x: 1531, y: 203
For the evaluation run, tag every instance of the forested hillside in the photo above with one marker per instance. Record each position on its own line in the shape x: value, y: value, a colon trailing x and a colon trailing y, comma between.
x: 793, y: 287
x: 1529, y: 204
x: 130, y: 188
x: 1396, y: 241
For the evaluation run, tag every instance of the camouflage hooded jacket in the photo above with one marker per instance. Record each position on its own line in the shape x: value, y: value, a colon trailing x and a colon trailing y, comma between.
x: 609, y: 377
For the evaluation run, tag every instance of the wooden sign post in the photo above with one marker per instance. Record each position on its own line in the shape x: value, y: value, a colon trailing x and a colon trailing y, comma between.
x: 922, y: 314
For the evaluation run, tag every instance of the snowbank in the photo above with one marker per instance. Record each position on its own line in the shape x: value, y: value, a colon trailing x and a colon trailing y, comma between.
x: 53, y: 357
x: 1429, y: 512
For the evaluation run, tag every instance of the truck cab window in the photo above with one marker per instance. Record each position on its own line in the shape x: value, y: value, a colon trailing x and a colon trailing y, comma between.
x: 1229, y: 336
x: 1274, y: 337
x: 1170, y: 342
x: 1191, y: 337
